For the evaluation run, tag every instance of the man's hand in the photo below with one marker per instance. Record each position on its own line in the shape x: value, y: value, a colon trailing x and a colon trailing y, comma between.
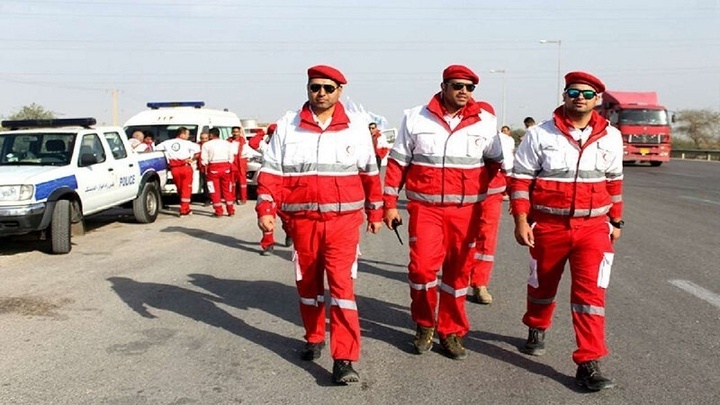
x: 266, y: 223
x: 374, y: 227
x: 389, y: 215
x: 615, y: 235
x: 523, y: 232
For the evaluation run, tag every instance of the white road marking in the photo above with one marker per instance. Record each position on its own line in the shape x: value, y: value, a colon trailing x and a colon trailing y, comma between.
x: 697, y: 291
x: 702, y: 200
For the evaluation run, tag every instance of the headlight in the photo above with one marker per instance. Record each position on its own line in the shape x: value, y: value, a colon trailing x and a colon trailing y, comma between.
x: 16, y: 193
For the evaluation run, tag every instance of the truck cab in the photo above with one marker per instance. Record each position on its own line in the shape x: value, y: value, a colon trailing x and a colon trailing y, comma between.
x: 55, y: 172
x: 644, y: 124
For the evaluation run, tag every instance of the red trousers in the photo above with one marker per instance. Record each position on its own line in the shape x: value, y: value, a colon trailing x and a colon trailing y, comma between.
x: 586, y: 245
x: 328, y: 246
x: 240, y: 179
x: 268, y: 238
x: 441, y: 237
x: 183, y: 178
x: 220, y: 187
x: 486, y: 242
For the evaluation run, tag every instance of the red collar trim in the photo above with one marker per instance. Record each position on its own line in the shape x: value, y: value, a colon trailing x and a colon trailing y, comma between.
x: 339, y: 119
x: 563, y: 123
x: 470, y: 113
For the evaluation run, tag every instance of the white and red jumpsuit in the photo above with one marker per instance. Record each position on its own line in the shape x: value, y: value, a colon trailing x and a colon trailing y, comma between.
x: 217, y: 157
x: 444, y: 163
x: 239, y: 168
x: 569, y: 182
x: 490, y: 213
x: 179, y: 154
x: 322, y: 178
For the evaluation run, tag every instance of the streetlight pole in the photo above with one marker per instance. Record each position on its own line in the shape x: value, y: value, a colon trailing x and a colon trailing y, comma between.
x: 504, y: 93
x: 559, y: 72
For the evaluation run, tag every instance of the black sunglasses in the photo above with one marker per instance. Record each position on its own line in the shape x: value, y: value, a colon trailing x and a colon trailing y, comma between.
x: 459, y: 86
x: 329, y: 88
x: 575, y: 93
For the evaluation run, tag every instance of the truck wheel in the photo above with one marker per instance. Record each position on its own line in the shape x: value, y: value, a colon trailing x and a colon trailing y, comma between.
x: 60, y: 228
x: 147, y: 205
x: 655, y: 164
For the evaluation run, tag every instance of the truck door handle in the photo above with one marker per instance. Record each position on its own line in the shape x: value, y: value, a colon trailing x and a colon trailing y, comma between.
x: 131, y: 165
x: 111, y: 169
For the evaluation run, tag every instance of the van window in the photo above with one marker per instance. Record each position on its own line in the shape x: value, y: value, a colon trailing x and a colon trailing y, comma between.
x: 116, y: 145
x: 162, y: 132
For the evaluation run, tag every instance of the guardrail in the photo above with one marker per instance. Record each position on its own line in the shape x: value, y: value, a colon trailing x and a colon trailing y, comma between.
x: 696, y: 154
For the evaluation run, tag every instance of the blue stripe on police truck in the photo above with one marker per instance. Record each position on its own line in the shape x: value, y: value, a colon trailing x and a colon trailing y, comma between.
x: 157, y: 164
x: 43, y: 190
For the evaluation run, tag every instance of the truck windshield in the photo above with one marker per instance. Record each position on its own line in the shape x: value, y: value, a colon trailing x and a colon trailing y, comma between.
x: 36, y: 149
x: 161, y: 132
x: 643, y: 117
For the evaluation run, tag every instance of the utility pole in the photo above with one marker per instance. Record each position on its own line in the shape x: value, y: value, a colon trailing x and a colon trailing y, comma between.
x: 115, y: 107
x: 559, y: 72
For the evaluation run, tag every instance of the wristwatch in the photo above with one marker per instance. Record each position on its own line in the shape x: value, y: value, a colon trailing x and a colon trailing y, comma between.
x: 619, y: 224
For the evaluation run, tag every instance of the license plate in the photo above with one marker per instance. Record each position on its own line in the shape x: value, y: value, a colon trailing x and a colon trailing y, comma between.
x: 644, y: 151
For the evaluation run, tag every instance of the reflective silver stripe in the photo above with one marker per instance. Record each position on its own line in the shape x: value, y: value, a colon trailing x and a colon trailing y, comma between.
x: 614, y: 176
x: 391, y: 191
x: 541, y: 301
x: 588, y: 309
x: 457, y: 293
x: 313, y: 301
x: 485, y: 258
x: 519, y: 171
x: 616, y: 198
x: 472, y: 244
x: 272, y: 166
x: 448, y: 198
x: 370, y: 168
x: 425, y: 287
x: 432, y: 160
x: 308, y: 168
x: 344, y: 304
x: 334, y: 207
x: 374, y: 205
x: 496, y: 190
x: 412, y: 239
x: 520, y: 195
x: 265, y: 197
x: 402, y: 159
x: 595, y: 212
x: 571, y: 174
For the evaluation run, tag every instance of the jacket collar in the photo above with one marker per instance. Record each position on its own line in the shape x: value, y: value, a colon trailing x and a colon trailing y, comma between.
x: 339, y: 119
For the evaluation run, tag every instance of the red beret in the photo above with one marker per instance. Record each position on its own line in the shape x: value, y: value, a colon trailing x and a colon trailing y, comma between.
x: 584, y: 78
x: 271, y: 129
x: 326, y: 72
x: 460, y: 72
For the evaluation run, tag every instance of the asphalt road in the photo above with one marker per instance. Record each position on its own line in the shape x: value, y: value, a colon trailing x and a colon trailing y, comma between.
x: 186, y: 311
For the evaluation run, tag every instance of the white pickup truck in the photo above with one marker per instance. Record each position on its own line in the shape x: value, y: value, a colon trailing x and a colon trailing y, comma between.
x: 53, y: 173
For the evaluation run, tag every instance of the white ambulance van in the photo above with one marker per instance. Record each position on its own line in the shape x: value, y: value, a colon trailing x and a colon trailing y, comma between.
x: 163, y: 118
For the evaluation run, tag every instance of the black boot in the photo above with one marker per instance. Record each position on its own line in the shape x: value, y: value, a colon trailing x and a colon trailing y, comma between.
x: 535, y: 345
x: 589, y: 376
x: 344, y: 373
x: 312, y: 351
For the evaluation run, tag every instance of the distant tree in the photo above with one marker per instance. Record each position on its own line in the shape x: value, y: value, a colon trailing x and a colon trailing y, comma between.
x: 702, y: 127
x: 32, y: 112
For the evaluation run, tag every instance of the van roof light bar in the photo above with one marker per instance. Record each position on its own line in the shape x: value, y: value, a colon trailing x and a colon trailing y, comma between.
x: 50, y: 123
x: 168, y: 104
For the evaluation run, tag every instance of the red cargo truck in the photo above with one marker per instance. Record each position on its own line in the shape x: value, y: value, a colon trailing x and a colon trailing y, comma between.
x: 644, y: 124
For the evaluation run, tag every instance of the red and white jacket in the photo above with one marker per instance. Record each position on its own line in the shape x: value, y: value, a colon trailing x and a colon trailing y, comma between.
x: 310, y: 171
x: 498, y: 184
x: 555, y: 178
x: 439, y: 165
x: 380, y: 143
x: 216, y: 151
x: 178, y: 152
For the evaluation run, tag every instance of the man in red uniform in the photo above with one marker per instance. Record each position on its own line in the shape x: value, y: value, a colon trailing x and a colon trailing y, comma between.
x: 441, y: 155
x: 180, y: 153
x: 567, y: 177
x: 380, y: 143
x: 217, y: 157
x: 204, y: 137
x: 490, y: 212
x: 240, y: 164
x: 320, y: 171
x: 260, y: 142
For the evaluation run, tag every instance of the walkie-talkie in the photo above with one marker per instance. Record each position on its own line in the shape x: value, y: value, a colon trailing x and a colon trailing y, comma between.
x: 395, y: 223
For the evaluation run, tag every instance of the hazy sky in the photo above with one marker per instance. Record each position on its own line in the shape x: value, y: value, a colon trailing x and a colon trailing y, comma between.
x: 251, y: 56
